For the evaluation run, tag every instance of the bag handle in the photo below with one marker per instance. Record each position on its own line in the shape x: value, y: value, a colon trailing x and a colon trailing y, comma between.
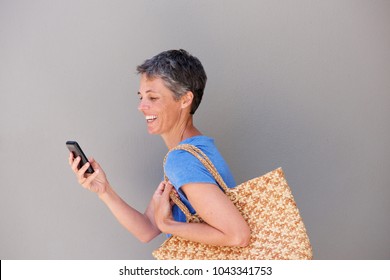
x: 201, y: 156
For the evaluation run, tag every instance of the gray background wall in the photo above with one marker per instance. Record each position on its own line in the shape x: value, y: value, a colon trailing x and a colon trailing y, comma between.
x: 299, y: 84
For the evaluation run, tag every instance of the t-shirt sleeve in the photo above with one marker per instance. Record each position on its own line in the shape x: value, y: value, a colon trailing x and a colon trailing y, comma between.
x: 183, y: 168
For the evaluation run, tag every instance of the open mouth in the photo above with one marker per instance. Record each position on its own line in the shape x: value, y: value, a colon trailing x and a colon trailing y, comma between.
x: 150, y: 118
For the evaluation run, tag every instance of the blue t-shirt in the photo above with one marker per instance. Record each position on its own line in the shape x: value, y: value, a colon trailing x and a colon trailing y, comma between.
x: 183, y: 168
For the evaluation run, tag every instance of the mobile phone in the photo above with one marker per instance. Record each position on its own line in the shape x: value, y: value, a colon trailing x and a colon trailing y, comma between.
x: 75, y: 148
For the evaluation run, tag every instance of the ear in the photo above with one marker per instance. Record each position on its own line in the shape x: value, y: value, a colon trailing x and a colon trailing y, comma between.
x: 186, y: 100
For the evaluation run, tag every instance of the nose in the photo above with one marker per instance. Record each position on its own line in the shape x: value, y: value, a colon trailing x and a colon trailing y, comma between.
x: 143, y: 105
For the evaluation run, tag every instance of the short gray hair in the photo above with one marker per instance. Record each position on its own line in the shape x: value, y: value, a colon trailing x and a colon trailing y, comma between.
x: 180, y: 71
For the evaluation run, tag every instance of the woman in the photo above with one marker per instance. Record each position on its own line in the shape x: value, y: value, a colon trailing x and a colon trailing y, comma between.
x: 171, y: 89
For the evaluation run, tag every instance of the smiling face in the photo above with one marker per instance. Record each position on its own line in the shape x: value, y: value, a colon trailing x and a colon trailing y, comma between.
x: 162, y: 112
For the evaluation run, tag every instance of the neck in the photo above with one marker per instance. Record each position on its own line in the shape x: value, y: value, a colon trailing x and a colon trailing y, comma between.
x: 183, y: 131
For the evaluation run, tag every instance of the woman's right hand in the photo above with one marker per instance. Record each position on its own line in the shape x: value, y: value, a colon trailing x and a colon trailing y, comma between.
x: 95, y: 182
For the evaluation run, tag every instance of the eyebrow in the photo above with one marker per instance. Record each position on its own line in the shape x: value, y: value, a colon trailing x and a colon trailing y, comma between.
x: 148, y: 91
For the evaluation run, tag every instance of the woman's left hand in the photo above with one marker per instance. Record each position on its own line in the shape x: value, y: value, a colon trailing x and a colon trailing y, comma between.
x: 162, y: 205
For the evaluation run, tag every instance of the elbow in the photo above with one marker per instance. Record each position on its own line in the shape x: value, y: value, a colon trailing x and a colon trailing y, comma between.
x: 244, y: 241
x: 144, y: 240
x: 147, y: 237
x: 241, y: 238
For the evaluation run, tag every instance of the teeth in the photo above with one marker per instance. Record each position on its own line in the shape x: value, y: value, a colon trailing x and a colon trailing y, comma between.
x: 151, y: 118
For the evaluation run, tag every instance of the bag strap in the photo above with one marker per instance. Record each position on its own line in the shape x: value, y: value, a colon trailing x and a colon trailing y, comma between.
x: 201, y: 156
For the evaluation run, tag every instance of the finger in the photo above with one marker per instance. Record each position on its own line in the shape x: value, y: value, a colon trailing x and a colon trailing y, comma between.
x: 81, y: 176
x: 167, y: 190
x: 71, y: 158
x: 82, y: 170
x: 174, y: 190
x: 75, y: 164
x: 94, y: 163
x: 88, y: 181
x: 160, y: 188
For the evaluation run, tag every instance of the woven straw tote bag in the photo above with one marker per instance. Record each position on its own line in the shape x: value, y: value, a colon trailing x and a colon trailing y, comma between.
x: 267, y: 205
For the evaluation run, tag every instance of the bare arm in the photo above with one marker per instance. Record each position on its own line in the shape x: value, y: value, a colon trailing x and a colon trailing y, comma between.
x: 223, y: 225
x: 141, y: 225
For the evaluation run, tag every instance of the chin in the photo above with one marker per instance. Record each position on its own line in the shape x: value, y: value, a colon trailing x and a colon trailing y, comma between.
x: 153, y: 132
